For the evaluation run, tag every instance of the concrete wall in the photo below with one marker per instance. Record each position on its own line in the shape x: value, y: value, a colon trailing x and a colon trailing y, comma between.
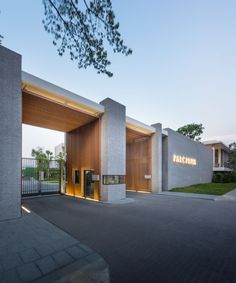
x: 113, y: 148
x: 157, y: 159
x: 10, y: 138
x: 165, y: 171
x: 177, y: 174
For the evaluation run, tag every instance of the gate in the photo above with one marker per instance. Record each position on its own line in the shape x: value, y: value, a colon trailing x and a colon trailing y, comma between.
x: 42, y: 176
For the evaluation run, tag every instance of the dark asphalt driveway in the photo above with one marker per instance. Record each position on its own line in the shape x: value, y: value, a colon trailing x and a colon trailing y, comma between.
x: 153, y: 239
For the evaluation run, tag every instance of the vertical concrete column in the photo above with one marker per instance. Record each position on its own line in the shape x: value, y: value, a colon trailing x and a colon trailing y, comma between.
x: 219, y: 157
x: 10, y: 137
x: 213, y: 153
x: 157, y: 159
x: 113, y: 148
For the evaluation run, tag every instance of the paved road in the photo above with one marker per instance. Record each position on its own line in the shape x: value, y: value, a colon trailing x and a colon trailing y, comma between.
x: 153, y: 239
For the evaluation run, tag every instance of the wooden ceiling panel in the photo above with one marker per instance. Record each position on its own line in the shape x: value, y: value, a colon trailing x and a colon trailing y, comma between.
x: 132, y: 135
x: 40, y: 112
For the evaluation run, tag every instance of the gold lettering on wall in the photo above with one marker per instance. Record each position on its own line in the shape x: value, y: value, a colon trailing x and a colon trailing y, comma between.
x: 184, y: 160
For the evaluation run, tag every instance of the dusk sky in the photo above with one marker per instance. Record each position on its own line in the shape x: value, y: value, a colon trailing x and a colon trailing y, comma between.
x: 183, y: 67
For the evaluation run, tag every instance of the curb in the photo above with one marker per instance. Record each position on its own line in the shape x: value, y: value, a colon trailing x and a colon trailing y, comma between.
x: 189, y: 195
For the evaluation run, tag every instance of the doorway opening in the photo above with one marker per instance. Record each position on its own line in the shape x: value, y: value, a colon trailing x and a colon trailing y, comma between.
x: 88, y: 184
x: 43, y: 161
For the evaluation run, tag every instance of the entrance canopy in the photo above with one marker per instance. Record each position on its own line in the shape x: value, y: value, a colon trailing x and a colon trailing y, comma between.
x: 49, y: 106
x: 132, y: 136
x: 136, y: 130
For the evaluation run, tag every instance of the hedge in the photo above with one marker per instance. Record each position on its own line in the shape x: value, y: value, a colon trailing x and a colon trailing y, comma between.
x: 224, y: 177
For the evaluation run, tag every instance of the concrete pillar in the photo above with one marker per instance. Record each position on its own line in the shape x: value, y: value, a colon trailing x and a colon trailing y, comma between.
x: 157, y: 159
x: 219, y: 157
x: 10, y: 137
x: 113, y: 149
x: 213, y: 152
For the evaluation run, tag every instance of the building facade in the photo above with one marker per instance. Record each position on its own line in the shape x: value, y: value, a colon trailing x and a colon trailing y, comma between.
x: 220, y: 156
x: 59, y: 149
x: 107, y: 152
x: 185, y: 162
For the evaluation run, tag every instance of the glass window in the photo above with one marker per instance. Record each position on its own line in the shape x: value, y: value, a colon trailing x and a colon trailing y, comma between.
x: 113, y: 179
x: 76, y: 176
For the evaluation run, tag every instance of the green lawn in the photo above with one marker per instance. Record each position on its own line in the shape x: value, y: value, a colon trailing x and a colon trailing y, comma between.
x: 210, y: 189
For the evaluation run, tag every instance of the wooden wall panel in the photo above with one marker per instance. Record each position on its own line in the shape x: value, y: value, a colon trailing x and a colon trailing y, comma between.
x: 138, y: 164
x: 83, y: 153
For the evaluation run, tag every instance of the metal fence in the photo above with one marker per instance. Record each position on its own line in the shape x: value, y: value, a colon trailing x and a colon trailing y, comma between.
x: 41, y: 176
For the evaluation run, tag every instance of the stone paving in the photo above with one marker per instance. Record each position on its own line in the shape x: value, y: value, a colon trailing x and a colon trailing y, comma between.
x: 33, y: 250
x: 155, y: 238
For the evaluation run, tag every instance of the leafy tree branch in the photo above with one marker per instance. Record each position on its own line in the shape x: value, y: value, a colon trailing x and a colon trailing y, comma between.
x: 84, y: 31
x: 193, y: 131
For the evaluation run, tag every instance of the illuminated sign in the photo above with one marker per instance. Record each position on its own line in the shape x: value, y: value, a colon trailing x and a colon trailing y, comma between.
x: 147, y: 177
x: 184, y: 159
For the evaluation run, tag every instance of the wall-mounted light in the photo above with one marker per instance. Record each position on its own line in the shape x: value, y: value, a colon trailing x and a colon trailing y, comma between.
x: 147, y: 177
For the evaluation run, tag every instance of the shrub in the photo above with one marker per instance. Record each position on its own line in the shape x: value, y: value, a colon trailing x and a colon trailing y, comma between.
x: 224, y: 177
x: 217, y: 178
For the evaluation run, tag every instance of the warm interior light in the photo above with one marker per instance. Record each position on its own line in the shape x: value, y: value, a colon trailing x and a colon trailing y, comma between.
x: 37, y: 91
x: 134, y: 191
x: 92, y: 199
x: 25, y: 209
x: 70, y: 195
x: 76, y: 196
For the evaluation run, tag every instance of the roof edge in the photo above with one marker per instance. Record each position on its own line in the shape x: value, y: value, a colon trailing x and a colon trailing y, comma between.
x: 41, y: 87
x: 139, y: 126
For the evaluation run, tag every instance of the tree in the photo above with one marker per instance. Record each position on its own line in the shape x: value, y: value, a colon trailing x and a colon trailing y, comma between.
x: 61, y: 156
x: 38, y: 154
x: 232, y: 146
x: 49, y: 155
x: 61, y: 160
x: 83, y: 28
x: 43, y: 159
x: 232, y: 156
x: 193, y: 131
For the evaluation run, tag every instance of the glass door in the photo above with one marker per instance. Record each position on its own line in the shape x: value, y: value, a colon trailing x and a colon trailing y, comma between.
x: 88, y: 184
